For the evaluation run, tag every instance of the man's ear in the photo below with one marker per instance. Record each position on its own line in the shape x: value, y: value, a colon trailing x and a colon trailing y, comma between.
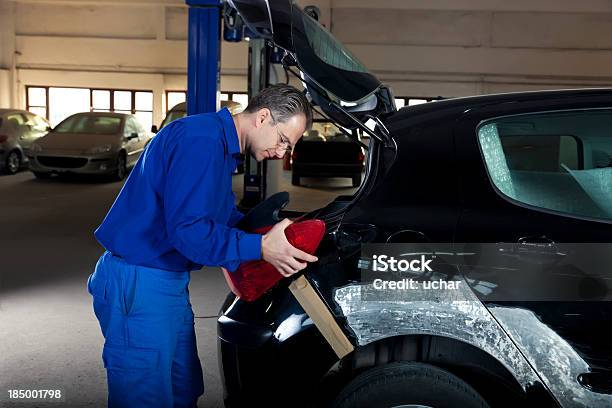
x: 261, y: 116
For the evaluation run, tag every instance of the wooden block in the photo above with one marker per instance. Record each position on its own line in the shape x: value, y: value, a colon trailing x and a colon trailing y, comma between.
x: 320, y: 315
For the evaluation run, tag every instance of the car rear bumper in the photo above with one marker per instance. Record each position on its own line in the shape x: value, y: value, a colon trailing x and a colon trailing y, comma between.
x: 49, y: 163
x: 260, y: 367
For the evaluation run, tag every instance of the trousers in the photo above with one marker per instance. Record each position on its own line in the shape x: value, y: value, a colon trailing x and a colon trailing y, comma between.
x: 150, y: 352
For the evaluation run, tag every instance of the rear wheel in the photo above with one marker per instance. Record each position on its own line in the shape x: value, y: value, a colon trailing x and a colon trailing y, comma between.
x: 12, y: 163
x: 295, y: 179
x: 357, y: 180
x: 408, y: 384
x: 121, y: 170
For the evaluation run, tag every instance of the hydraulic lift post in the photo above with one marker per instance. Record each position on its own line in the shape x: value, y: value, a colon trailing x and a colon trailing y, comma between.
x: 254, y: 190
x: 204, y: 55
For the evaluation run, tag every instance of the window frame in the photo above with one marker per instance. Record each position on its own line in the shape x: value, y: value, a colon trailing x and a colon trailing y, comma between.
x: 133, y: 109
x: 230, y: 96
x: 28, y: 106
x: 522, y: 204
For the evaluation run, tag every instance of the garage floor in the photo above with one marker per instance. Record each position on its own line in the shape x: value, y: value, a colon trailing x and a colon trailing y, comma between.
x: 49, y: 337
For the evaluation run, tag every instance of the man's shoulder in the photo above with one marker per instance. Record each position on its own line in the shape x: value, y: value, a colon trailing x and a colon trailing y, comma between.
x: 195, y: 130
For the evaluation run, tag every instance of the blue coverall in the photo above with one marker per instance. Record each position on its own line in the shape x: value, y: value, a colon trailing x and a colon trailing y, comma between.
x: 174, y: 214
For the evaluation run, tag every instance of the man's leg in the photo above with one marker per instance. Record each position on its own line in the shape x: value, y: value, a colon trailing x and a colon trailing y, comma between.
x: 187, y: 379
x: 140, y: 319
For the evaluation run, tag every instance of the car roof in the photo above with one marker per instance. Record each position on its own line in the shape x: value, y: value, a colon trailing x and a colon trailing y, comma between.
x: 477, y: 100
x: 111, y: 114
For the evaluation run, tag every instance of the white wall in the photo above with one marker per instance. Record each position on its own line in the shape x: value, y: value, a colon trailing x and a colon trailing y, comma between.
x: 7, y: 54
x: 419, y: 47
x: 463, y: 47
x: 109, y: 44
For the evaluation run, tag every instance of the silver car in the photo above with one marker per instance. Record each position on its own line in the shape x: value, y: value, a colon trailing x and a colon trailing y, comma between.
x: 90, y: 143
x: 18, y: 130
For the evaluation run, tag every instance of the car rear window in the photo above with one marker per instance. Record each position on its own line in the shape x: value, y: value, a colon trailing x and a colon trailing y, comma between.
x: 92, y: 124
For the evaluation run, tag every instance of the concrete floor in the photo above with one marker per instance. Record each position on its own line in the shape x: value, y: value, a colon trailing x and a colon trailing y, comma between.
x: 49, y: 337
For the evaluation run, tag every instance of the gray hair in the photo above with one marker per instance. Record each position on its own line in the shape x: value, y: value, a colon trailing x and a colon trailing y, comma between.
x: 284, y: 102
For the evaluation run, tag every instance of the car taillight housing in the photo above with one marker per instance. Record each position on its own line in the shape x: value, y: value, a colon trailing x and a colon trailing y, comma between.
x: 252, y: 279
x: 3, y: 138
x: 293, y: 156
x: 360, y: 157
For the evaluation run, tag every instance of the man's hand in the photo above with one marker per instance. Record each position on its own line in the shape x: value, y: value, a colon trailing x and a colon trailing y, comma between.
x: 276, y: 250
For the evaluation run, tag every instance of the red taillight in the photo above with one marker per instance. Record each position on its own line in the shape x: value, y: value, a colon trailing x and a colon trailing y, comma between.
x: 360, y: 157
x: 3, y: 138
x: 293, y: 156
x: 253, y: 278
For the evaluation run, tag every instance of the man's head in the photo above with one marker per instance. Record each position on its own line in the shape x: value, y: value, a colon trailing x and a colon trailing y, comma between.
x: 274, y: 121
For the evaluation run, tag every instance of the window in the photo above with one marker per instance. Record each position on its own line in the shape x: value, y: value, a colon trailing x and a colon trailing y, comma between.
x: 143, y: 108
x: 64, y: 102
x: 175, y: 97
x: 37, y: 100
x: 559, y: 161
x: 100, y: 100
x: 57, y: 103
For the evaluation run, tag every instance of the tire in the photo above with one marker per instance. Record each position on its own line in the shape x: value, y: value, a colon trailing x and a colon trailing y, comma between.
x: 295, y: 179
x: 41, y: 175
x: 357, y: 180
x: 121, y: 170
x: 12, y: 163
x: 408, y: 383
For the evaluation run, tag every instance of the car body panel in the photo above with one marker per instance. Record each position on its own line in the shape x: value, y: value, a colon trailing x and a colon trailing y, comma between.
x: 434, y: 188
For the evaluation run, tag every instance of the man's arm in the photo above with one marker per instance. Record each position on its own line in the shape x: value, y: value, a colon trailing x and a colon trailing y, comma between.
x: 236, y: 215
x: 194, y: 166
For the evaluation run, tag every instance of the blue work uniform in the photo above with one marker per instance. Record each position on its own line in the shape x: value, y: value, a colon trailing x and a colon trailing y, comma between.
x: 174, y: 214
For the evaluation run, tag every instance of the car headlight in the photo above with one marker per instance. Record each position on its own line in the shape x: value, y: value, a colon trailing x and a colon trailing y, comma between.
x: 35, y: 148
x: 100, y: 149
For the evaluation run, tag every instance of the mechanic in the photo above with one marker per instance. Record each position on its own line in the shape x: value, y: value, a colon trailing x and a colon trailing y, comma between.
x: 176, y: 213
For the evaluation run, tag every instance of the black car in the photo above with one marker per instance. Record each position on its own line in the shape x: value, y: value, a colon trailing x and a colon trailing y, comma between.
x: 512, y: 196
x: 327, y: 152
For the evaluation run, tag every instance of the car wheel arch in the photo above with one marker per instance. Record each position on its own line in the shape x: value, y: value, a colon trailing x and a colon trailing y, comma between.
x: 482, y: 371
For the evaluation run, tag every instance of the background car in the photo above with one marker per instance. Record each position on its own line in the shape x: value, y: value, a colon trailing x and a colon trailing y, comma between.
x: 326, y: 152
x: 90, y: 143
x: 18, y: 130
x: 180, y: 111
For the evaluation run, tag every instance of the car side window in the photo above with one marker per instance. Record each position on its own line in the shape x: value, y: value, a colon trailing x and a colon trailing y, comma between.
x: 36, y: 122
x: 558, y: 161
x: 130, y: 127
x: 139, y: 128
x: 15, y: 120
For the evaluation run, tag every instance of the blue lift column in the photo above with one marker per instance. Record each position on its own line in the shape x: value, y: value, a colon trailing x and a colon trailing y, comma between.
x: 204, y: 59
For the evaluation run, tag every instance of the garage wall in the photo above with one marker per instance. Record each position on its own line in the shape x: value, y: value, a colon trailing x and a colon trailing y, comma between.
x: 109, y: 44
x: 421, y: 48
x: 465, y: 47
